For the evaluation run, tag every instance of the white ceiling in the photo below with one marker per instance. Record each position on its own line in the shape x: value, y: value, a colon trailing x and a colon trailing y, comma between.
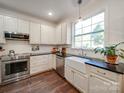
x: 40, y: 8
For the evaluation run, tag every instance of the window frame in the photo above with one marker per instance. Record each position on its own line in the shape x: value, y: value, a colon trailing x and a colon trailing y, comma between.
x: 90, y: 33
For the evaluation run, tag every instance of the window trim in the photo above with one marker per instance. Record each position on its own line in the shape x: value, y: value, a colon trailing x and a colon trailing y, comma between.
x: 73, y: 36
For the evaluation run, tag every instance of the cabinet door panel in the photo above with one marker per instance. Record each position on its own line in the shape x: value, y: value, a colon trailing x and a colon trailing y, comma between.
x: 64, y: 33
x: 35, y: 33
x: 69, y: 74
x: 23, y: 26
x: 47, y: 35
x: 101, y: 85
x: 58, y: 35
x: 69, y: 33
x: 2, y: 38
x: 10, y: 24
x: 81, y: 82
x: 39, y: 64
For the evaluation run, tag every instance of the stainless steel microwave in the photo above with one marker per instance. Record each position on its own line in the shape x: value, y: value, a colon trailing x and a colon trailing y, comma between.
x: 16, y: 36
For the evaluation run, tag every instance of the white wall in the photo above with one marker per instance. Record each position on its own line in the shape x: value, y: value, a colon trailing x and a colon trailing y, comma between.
x: 114, y: 21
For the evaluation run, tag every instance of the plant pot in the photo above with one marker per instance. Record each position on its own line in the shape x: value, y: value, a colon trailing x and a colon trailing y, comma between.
x: 112, y: 59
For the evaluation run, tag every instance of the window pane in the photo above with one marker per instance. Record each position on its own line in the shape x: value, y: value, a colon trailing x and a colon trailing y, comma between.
x: 86, y: 44
x: 98, y: 18
x: 97, y: 39
x: 87, y: 22
x: 86, y: 37
x: 77, y: 44
x: 78, y: 32
x: 78, y: 39
x: 87, y: 29
x: 78, y: 25
x: 98, y: 27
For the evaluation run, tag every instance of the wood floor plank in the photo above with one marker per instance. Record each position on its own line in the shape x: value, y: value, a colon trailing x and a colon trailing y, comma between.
x: 49, y: 82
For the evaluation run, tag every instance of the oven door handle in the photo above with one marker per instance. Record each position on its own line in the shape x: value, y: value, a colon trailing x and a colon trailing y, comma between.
x: 15, y: 61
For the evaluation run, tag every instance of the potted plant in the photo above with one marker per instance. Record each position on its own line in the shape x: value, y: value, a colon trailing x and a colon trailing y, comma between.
x: 111, y: 52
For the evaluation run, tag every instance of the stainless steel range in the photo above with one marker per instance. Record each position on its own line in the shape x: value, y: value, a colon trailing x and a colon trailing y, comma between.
x: 14, y: 68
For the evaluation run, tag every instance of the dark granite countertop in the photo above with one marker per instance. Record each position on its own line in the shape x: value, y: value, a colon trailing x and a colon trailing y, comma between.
x: 37, y: 54
x: 119, y: 68
x: 21, y: 56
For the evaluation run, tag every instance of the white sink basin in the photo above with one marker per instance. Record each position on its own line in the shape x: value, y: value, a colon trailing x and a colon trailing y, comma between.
x: 77, y: 63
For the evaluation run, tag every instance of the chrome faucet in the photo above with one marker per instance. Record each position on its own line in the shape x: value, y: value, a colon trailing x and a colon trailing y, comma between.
x: 83, y: 53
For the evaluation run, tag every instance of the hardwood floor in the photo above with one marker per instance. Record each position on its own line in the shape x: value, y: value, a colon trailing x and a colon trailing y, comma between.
x: 48, y: 82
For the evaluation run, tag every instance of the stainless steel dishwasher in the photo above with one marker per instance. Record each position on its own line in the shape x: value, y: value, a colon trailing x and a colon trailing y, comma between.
x: 60, y: 63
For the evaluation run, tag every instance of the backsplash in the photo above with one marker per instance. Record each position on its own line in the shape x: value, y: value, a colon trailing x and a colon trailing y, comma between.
x: 89, y: 53
x: 23, y: 47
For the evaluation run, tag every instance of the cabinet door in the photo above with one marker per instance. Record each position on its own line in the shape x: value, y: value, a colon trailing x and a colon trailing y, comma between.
x: 58, y: 35
x: 69, y: 33
x: 44, y: 37
x: 54, y: 61
x: 81, y: 82
x: 64, y: 33
x: 39, y: 64
x: 10, y: 24
x: 23, y: 26
x: 101, y: 85
x: 47, y: 35
x: 51, y: 35
x: 2, y: 38
x: 34, y: 33
x: 69, y: 74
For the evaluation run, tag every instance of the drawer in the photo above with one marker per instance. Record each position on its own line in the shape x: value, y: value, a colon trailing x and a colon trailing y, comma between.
x: 107, y: 74
x: 38, y: 63
x: 42, y: 68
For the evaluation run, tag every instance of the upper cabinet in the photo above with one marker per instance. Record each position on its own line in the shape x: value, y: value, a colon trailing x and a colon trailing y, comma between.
x: 58, y: 34
x: 23, y: 26
x: 47, y: 34
x: 2, y: 39
x: 63, y: 33
x: 35, y: 34
x: 10, y: 24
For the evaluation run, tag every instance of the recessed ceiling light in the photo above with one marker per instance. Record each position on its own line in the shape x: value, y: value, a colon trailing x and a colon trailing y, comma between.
x: 50, y: 14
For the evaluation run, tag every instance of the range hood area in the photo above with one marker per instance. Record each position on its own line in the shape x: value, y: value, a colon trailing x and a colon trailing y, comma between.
x: 16, y: 36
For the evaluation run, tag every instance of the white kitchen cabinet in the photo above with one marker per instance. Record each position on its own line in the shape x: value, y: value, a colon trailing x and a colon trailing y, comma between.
x: 47, y: 34
x: 23, y: 26
x: 54, y: 61
x: 39, y: 64
x: 58, y: 34
x: 69, y: 74
x: 10, y: 24
x: 2, y: 38
x: 81, y: 81
x: 35, y: 34
x: 98, y: 84
x: 63, y: 33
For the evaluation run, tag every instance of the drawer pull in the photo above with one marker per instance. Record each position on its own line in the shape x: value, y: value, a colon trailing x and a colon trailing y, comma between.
x: 101, y: 72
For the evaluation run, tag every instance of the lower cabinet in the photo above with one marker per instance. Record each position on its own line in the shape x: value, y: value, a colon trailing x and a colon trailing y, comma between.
x: 69, y: 74
x: 98, y: 84
x: 40, y: 64
x: 79, y: 80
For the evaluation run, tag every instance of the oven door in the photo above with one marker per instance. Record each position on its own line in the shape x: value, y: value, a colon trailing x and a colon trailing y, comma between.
x: 14, y: 69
